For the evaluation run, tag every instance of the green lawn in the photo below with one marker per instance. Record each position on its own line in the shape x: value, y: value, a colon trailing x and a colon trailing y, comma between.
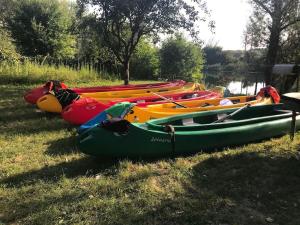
x: 45, y: 180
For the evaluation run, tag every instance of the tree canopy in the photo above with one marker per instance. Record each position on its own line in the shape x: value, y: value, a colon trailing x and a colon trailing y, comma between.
x: 43, y: 27
x: 269, y: 25
x: 125, y: 22
x: 214, y: 55
x: 7, y: 48
x: 181, y: 59
x: 145, y: 61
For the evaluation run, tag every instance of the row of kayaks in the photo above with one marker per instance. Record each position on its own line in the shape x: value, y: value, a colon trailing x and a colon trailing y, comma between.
x: 162, y: 119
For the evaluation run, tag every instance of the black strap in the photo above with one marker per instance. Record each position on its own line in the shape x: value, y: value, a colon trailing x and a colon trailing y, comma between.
x: 118, y: 125
x: 171, y: 130
x: 53, y: 85
x: 66, y: 96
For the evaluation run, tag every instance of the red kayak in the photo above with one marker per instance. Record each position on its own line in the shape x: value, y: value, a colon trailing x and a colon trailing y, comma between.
x: 84, y: 109
x: 33, y: 95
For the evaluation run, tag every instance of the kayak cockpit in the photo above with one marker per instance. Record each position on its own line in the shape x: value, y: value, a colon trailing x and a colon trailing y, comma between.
x: 220, y: 118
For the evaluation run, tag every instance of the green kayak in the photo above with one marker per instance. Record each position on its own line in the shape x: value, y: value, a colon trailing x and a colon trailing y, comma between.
x: 185, y: 134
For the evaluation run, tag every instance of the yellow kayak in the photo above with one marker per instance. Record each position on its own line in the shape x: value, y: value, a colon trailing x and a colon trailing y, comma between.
x: 49, y: 102
x: 143, y: 92
x: 143, y: 114
x: 186, y: 88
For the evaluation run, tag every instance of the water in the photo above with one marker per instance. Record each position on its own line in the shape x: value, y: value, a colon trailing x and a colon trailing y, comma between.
x: 236, y: 87
x: 236, y: 83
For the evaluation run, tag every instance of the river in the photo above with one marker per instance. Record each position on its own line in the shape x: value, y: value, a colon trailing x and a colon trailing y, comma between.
x: 236, y: 87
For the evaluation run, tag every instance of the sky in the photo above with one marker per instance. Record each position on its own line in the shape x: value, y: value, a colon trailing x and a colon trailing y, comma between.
x: 230, y: 17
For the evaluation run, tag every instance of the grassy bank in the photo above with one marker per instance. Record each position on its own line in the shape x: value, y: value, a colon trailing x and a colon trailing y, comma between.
x: 29, y: 72
x: 45, y: 180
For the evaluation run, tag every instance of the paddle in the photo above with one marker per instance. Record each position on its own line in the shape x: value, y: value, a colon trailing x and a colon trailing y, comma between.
x: 293, y: 125
x: 169, y: 100
x: 232, y: 114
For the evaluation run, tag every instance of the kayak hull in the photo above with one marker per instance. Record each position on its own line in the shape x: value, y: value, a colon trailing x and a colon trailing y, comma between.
x: 266, y: 95
x: 171, y: 89
x: 34, y: 94
x: 116, y: 111
x: 146, y: 140
x: 50, y: 106
x: 143, y: 114
x: 84, y: 109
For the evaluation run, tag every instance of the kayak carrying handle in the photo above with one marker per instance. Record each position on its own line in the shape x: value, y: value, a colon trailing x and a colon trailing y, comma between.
x: 171, y: 130
x: 232, y: 114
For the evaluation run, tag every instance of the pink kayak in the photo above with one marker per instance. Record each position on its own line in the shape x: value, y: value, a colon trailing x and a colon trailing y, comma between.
x: 84, y: 109
x: 33, y: 95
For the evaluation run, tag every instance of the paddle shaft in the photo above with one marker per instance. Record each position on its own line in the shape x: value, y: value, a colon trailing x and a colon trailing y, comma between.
x: 162, y: 97
x: 232, y: 114
x: 293, y: 125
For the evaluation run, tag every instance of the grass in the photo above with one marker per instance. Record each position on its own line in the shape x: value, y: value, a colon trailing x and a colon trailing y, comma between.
x: 30, y: 72
x: 45, y: 180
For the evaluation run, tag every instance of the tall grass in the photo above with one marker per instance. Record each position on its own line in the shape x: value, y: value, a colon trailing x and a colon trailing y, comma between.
x: 32, y: 72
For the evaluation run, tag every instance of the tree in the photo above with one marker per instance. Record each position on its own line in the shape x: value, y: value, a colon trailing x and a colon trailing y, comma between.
x: 256, y: 35
x: 290, y: 47
x: 213, y: 55
x: 278, y: 15
x: 145, y: 61
x: 125, y: 22
x: 7, y: 47
x: 43, y: 27
x: 181, y: 59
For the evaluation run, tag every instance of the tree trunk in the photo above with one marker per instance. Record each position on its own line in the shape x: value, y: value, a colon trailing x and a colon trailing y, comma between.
x: 273, y: 42
x: 272, y: 54
x: 126, y: 72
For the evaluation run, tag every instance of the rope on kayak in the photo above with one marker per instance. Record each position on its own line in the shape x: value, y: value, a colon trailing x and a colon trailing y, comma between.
x: 171, y: 130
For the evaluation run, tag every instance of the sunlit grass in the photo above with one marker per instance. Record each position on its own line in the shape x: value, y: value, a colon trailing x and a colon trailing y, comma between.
x: 45, y: 180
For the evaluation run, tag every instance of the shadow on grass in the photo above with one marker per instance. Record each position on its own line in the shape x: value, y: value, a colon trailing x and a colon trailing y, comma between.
x: 86, y: 166
x: 63, y: 146
x: 32, y: 126
x: 237, y: 189
x: 20, y: 80
x: 12, y: 92
x: 26, y: 119
x: 18, y: 117
x: 38, y: 207
x: 245, y: 188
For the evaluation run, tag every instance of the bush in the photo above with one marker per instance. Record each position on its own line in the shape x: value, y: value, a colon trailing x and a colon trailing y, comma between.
x: 7, y: 48
x: 181, y: 59
x: 43, y: 28
x: 145, y: 62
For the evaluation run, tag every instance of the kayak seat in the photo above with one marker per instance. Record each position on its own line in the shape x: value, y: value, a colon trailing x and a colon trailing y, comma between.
x: 189, y: 122
x: 228, y: 120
